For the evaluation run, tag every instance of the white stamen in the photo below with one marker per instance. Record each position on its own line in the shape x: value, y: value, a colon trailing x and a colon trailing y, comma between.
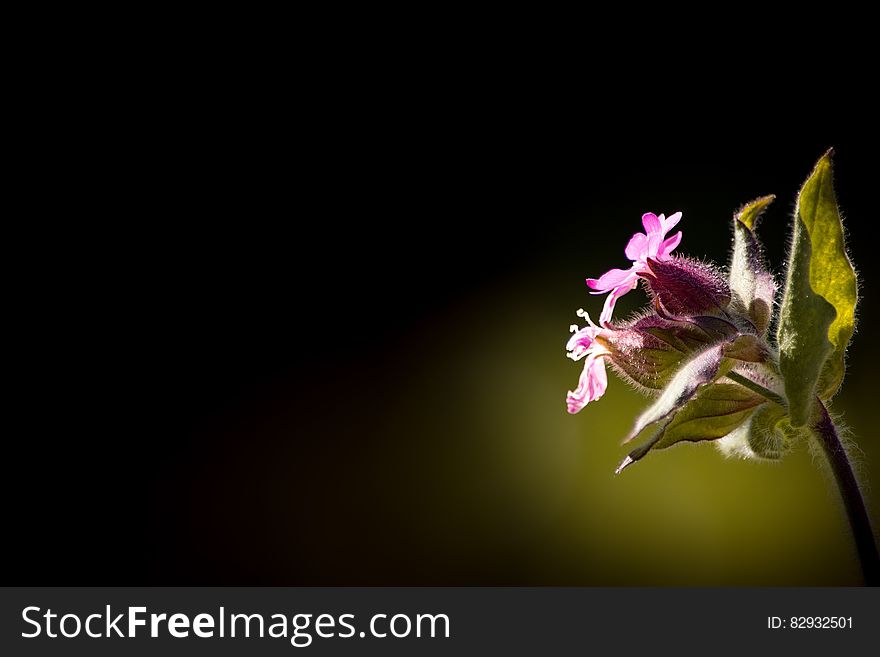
x: 583, y: 313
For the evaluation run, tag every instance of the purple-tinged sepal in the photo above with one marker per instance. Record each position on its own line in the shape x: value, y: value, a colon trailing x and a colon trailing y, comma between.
x: 686, y: 287
x: 647, y: 351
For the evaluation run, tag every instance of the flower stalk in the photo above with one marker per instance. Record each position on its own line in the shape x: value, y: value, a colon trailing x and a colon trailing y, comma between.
x: 756, y: 387
x: 826, y: 435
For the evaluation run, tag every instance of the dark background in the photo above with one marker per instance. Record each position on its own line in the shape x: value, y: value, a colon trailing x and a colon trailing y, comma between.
x: 315, y: 335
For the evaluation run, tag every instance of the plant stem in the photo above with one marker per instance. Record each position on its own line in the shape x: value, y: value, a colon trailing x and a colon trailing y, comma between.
x: 755, y: 387
x: 859, y: 522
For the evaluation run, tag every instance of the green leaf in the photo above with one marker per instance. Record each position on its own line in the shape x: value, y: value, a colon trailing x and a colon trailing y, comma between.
x: 752, y: 287
x: 700, y: 369
x: 715, y: 411
x: 831, y: 272
x: 817, y: 318
x: 804, y: 320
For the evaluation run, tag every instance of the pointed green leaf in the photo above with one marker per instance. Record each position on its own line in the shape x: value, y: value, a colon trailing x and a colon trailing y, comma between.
x: 700, y: 369
x: 831, y: 272
x: 818, y: 309
x: 752, y: 287
x: 714, y: 412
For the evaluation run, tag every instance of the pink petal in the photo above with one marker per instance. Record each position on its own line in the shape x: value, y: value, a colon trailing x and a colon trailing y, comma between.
x: 598, y: 379
x: 575, y: 402
x: 591, y: 385
x: 653, y: 246
x: 669, y: 224
x: 669, y: 245
x: 581, y: 341
x: 651, y: 223
x: 609, y: 280
x: 612, y: 298
x: 635, y: 250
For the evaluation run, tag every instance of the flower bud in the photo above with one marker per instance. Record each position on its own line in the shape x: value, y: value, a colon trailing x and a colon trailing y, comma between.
x: 685, y: 287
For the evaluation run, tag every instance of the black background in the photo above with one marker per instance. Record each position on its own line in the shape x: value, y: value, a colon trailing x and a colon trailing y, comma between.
x: 194, y: 244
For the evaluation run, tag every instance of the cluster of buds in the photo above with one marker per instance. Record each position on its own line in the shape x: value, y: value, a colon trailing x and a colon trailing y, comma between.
x: 701, y: 348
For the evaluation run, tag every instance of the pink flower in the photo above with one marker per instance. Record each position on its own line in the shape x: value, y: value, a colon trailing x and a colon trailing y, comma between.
x: 593, y: 379
x: 651, y: 244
